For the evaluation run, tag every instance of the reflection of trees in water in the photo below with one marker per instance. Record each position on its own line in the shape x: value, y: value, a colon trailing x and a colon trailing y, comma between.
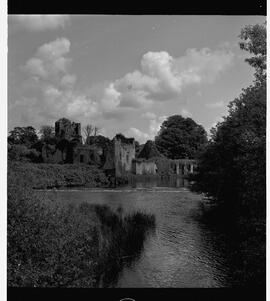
x: 121, y: 242
x: 148, y: 181
x: 237, y: 252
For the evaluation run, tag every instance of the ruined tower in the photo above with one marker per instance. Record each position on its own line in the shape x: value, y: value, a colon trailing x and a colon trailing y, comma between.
x: 65, y: 129
x: 124, y: 154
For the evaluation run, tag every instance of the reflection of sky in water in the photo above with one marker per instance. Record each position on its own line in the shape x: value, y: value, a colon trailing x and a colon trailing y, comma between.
x: 181, y: 252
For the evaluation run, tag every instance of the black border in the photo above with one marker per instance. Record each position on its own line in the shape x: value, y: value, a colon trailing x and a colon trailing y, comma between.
x: 180, y: 7
x: 202, y: 7
x: 137, y: 294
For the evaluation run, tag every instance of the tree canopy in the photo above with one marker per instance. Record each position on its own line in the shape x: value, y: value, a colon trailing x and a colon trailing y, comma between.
x: 23, y: 135
x: 232, y: 169
x: 180, y: 137
x: 254, y: 41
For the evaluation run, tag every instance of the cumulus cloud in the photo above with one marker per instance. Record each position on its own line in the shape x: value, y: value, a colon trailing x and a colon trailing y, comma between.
x: 40, y: 22
x: 160, y: 78
x: 154, y: 126
x: 49, y: 61
x: 137, y: 134
x: 49, y: 72
x: 204, y: 65
x: 163, y: 77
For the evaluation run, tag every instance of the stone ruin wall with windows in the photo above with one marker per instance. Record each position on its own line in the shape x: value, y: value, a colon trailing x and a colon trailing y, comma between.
x: 73, y: 151
x: 124, y: 154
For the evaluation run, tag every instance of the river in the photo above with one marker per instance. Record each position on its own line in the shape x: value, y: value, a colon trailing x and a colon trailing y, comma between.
x: 181, y: 251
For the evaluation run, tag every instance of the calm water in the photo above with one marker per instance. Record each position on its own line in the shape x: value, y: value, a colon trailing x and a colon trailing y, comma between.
x: 181, y: 252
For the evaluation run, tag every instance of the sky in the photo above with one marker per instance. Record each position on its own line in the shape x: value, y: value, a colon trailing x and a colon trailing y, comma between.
x: 124, y: 74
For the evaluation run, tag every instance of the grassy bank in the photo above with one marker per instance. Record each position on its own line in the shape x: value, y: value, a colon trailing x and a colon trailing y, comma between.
x: 51, y: 244
x: 43, y: 175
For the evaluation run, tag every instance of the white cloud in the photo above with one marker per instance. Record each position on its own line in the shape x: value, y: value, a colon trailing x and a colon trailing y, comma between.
x: 35, y: 67
x: 137, y: 134
x: 40, y: 22
x: 219, y: 104
x: 81, y: 106
x: 160, y: 78
x: 68, y: 80
x: 199, y: 66
x: 49, y: 61
x: 154, y: 127
x: 110, y: 100
x: 185, y: 113
x: 163, y: 77
x: 55, y: 85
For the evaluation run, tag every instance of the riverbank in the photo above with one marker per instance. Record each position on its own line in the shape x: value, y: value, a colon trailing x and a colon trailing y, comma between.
x: 248, y: 234
x: 56, y: 244
x: 42, y: 175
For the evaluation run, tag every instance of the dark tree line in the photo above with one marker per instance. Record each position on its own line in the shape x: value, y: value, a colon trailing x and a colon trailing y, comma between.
x: 232, y: 170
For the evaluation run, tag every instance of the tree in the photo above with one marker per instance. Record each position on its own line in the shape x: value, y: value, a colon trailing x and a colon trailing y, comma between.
x: 149, y: 151
x: 232, y: 169
x: 23, y: 135
x: 180, y: 137
x: 88, y: 131
x: 254, y: 41
x: 47, y: 132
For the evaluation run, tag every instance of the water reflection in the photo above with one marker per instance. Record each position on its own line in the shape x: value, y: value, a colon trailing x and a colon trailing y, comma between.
x: 151, y: 182
x: 122, y: 239
x: 180, y: 251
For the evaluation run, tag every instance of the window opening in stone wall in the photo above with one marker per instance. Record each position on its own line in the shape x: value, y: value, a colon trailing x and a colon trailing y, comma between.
x: 81, y: 158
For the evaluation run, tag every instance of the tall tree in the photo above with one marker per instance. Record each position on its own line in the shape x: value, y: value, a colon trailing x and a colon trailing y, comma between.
x: 232, y: 169
x: 23, y: 135
x: 254, y: 41
x: 180, y: 137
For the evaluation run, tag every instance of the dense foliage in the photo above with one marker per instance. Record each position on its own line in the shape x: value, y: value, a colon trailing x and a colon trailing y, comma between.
x: 57, y: 175
x: 149, y: 150
x: 23, y: 135
x: 232, y: 170
x: 180, y: 138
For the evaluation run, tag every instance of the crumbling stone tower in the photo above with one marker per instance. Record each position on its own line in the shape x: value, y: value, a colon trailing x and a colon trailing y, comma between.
x: 65, y: 129
x: 124, y: 154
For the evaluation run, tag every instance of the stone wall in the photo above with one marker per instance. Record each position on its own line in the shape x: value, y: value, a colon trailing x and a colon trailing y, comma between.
x: 183, y: 166
x: 144, y: 167
x: 51, y: 154
x: 65, y: 129
x: 85, y: 154
x: 124, y: 153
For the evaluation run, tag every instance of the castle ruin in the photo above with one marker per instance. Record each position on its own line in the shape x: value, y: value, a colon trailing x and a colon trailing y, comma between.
x: 118, y: 157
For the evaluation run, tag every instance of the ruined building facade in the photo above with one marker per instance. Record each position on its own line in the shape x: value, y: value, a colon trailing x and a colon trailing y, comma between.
x: 68, y: 147
x: 65, y: 129
x: 120, y: 156
x: 117, y: 158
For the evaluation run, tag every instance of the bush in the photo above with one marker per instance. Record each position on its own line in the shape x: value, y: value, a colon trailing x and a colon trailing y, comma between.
x: 56, y: 175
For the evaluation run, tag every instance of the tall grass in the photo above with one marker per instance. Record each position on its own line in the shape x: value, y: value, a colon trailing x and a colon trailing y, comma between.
x: 123, y: 238
x: 51, y: 244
